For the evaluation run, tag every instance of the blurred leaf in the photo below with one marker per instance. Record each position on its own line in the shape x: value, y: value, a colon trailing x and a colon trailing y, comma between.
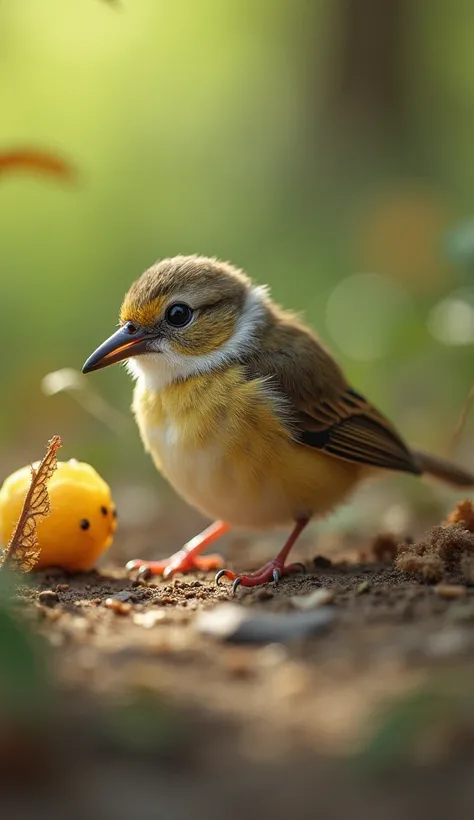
x: 21, y: 674
x: 23, y: 682
x: 23, y: 550
x: 443, y: 708
x: 143, y: 725
x: 400, y: 726
x: 37, y: 161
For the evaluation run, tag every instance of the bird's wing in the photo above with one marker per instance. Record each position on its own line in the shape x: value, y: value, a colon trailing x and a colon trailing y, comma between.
x: 348, y: 427
x: 326, y: 413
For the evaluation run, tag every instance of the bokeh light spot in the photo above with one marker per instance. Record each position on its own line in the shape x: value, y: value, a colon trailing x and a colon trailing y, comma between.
x: 401, y: 233
x: 362, y: 313
x: 451, y: 321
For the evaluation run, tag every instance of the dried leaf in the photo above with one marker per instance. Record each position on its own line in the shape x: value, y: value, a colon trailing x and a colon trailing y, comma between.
x: 462, y: 514
x: 22, y: 551
x: 33, y: 160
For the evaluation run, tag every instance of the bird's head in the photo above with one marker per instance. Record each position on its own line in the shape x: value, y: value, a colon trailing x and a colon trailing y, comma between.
x: 184, y: 316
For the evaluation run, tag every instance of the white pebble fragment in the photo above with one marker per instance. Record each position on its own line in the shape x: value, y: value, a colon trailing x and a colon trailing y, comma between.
x: 231, y: 622
x: 313, y: 600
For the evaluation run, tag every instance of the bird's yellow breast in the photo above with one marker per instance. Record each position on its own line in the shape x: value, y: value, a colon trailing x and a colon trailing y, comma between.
x: 221, y: 441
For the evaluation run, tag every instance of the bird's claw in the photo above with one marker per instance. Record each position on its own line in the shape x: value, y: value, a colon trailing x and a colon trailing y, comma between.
x: 143, y: 573
x: 219, y: 575
x: 169, y: 571
x: 131, y: 566
x: 236, y: 579
x: 276, y: 576
x: 236, y: 584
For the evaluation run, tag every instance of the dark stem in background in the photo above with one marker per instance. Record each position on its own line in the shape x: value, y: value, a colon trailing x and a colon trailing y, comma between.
x: 368, y: 82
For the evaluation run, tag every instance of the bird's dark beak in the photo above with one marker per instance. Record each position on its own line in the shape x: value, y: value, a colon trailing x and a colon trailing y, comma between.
x: 122, y: 345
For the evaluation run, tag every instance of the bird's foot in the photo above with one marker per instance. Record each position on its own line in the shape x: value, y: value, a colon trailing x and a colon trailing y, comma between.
x: 186, y: 559
x: 272, y: 571
x: 181, y: 561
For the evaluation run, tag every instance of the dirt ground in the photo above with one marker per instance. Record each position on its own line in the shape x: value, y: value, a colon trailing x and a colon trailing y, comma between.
x: 224, y: 729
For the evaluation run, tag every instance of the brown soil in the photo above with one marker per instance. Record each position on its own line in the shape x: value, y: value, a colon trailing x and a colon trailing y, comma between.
x: 249, y: 729
x: 150, y: 718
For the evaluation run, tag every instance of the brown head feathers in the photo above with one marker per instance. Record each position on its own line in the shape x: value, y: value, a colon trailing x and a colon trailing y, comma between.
x: 198, y: 280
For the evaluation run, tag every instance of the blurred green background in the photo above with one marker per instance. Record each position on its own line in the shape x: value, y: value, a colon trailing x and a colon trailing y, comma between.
x: 324, y: 146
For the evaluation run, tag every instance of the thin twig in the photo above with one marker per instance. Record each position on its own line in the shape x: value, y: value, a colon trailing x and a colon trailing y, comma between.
x: 461, y: 423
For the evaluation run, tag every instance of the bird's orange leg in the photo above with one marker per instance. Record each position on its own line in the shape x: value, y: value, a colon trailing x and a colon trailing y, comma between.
x: 273, y: 569
x: 187, y: 558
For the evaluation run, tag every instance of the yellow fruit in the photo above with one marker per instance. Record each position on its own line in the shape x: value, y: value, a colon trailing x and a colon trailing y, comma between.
x: 83, y: 516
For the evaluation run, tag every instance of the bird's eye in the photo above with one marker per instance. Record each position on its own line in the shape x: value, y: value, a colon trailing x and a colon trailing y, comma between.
x: 84, y: 523
x: 179, y: 315
x: 131, y: 328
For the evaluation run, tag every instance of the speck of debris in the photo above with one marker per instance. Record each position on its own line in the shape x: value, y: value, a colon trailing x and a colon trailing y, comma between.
x: 384, y: 547
x: 118, y: 606
x: 450, y: 590
x: 315, y: 599
x: 124, y: 596
x: 321, y: 562
x: 363, y: 587
x: 48, y: 597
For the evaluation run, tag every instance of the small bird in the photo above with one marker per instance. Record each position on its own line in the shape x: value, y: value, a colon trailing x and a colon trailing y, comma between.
x: 245, y: 411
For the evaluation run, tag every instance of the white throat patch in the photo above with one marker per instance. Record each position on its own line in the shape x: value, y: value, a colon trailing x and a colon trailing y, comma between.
x: 157, y: 370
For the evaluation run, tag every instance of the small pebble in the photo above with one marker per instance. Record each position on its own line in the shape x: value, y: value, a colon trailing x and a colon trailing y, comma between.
x: 363, y: 587
x: 124, y: 596
x: 315, y: 599
x: 451, y: 590
x: 62, y: 587
x: 117, y: 606
x: 272, y: 655
x: 321, y: 562
x: 235, y: 623
x: 48, y: 597
x: 149, y: 619
x: 240, y: 663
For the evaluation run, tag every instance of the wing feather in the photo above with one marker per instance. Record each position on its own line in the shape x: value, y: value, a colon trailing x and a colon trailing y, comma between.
x: 354, y: 430
x: 326, y: 413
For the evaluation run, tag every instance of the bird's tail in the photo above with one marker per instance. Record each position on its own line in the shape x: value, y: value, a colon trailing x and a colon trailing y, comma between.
x: 443, y: 469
